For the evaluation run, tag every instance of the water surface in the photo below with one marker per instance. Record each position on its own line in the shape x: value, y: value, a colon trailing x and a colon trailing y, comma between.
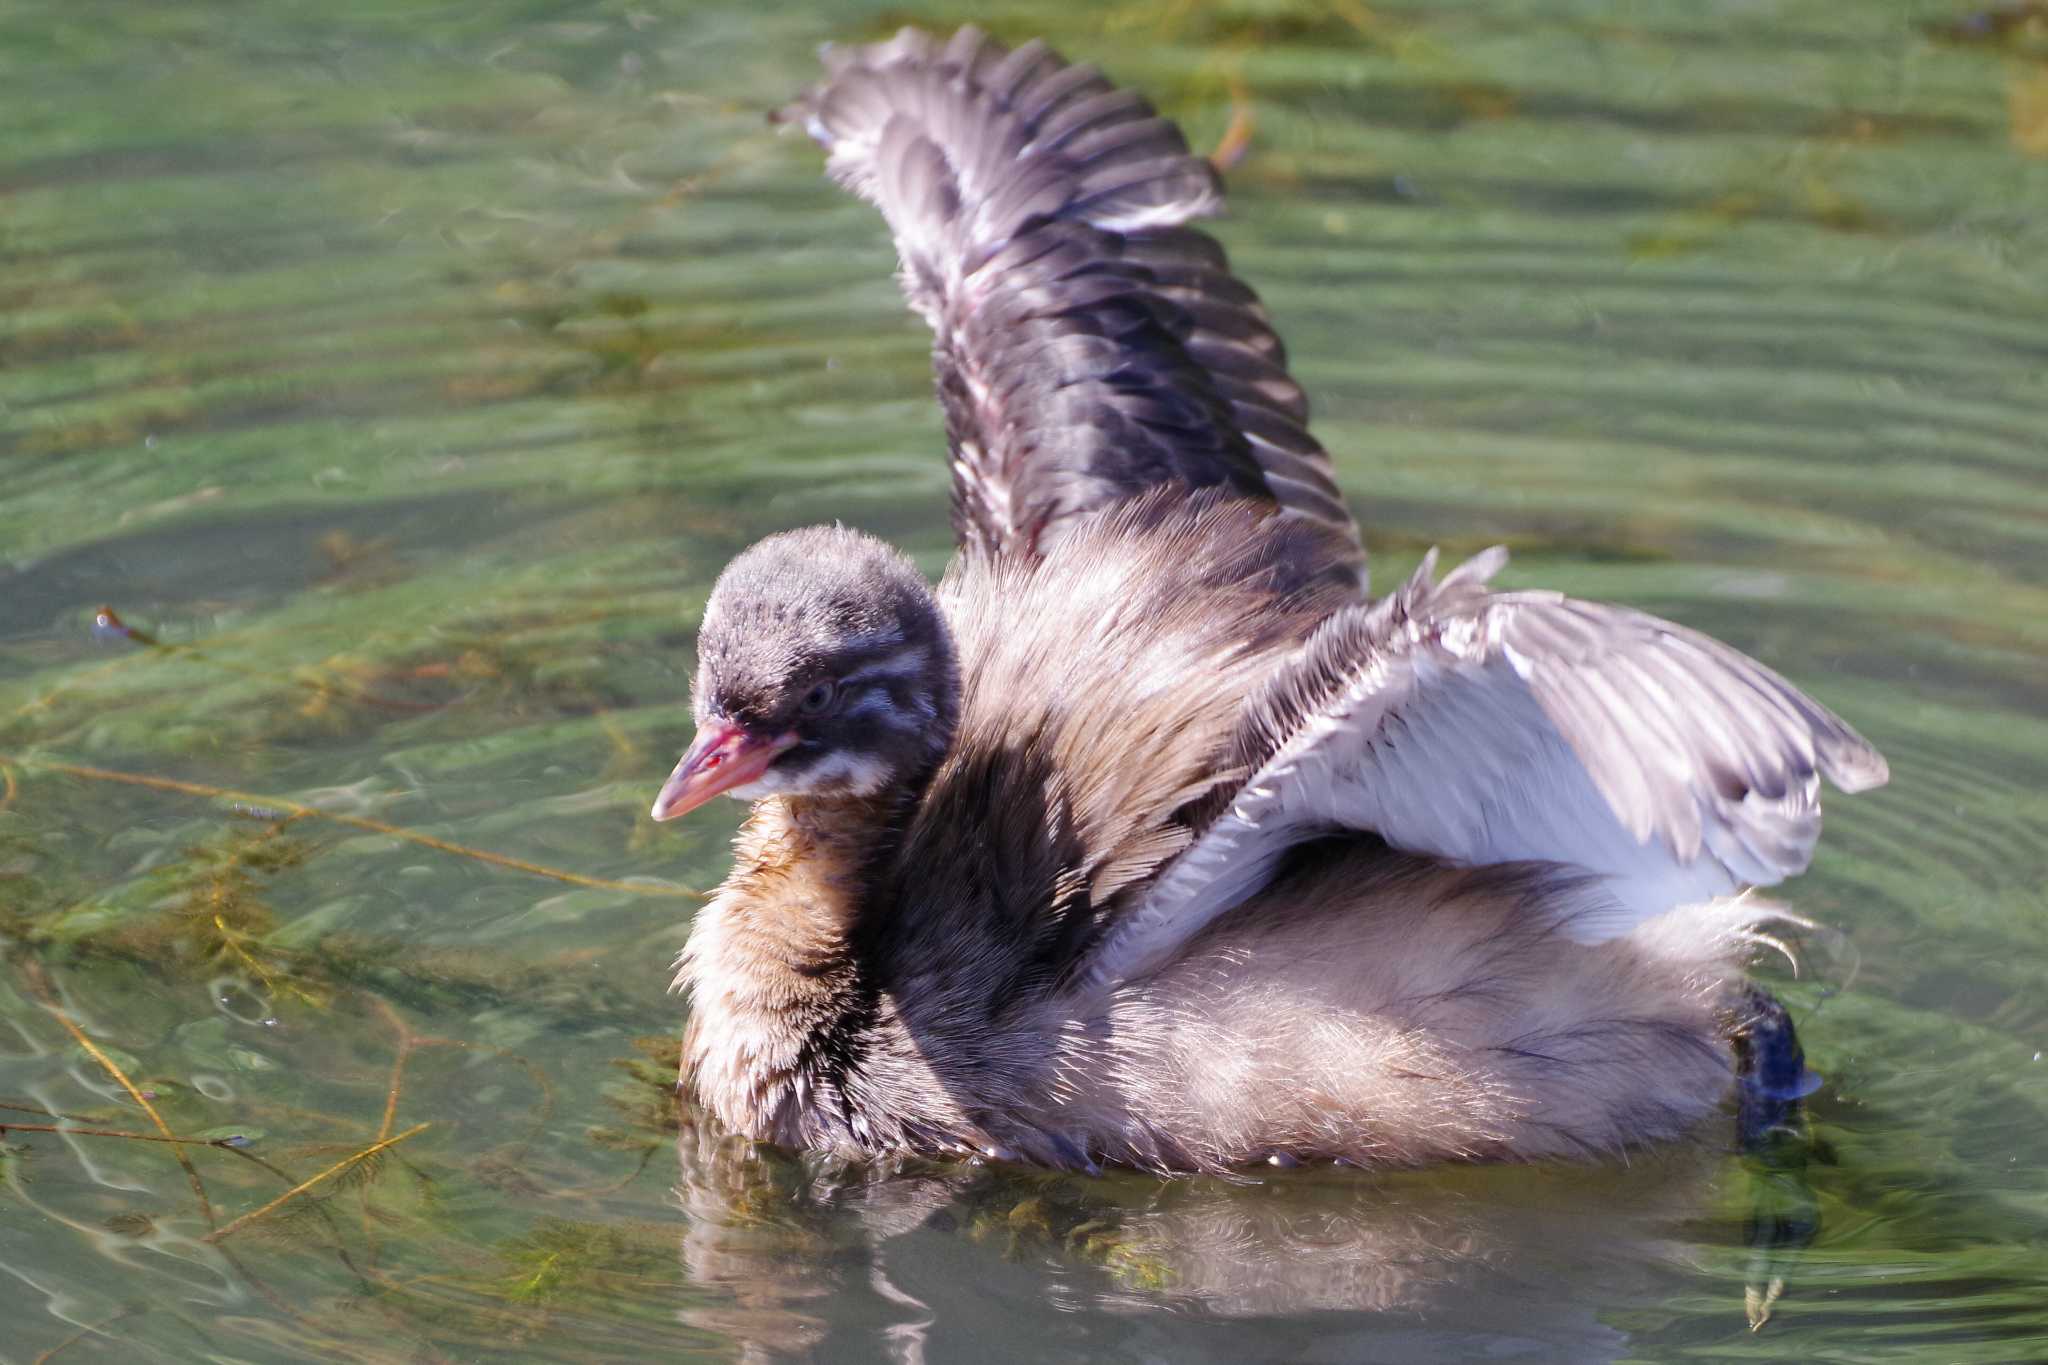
x: 405, y: 372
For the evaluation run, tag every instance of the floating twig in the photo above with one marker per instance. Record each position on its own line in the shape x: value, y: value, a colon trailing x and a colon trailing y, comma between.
x: 304, y: 1185
x: 93, y: 1050
x: 340, y: 1248
x: 406, y: 1040
x: 410, y: 1044
x: 43, y: 1113
x: 228, y: 1142
x: 91, y: 1330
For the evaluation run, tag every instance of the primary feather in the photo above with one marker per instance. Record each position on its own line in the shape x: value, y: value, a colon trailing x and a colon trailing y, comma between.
x: 1088, y: 345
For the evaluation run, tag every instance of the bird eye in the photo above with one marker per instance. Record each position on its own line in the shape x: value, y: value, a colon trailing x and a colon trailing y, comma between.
x: 818, y: 699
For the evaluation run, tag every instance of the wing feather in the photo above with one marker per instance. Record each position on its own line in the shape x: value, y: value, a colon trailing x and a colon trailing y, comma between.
x: 1487, y: 727
x: 1089, y: 345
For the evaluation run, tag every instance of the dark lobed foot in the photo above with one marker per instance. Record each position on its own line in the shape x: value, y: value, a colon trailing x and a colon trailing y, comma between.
x: 1771, y: 1080
x: 1770, y: 1068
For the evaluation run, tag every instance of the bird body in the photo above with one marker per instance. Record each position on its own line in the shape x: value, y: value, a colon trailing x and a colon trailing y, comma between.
x: 1147, y: 838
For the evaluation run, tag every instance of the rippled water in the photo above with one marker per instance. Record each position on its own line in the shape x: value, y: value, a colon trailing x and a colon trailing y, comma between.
x: 404, y: 372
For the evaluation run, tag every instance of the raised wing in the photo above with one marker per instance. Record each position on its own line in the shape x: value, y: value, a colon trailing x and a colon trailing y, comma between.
x: 1490, y: 727
x: 1087, y: 345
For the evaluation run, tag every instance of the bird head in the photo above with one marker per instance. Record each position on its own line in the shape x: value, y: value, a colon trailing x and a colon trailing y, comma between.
x: 824, y: 669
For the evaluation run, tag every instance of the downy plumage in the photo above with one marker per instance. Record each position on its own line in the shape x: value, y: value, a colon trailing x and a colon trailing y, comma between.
x: 1147, y: 838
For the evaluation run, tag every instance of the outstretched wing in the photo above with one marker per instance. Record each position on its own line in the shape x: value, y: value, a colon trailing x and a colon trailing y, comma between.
x: 1490, y: 727
x: 1088, y: 346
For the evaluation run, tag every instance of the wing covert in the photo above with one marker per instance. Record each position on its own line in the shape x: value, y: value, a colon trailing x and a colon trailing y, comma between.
x: 1487, y: 727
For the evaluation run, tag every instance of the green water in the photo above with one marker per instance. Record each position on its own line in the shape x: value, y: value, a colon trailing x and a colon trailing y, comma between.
x: 407, y: 370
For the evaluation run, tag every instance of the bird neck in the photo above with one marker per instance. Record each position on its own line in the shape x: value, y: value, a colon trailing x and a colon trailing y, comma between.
x: 771, y: 966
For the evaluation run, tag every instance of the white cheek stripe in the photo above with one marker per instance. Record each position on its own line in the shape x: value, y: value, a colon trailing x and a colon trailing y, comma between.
x: 843, y: 773
x: 770, y: 783
x: 851, y: 773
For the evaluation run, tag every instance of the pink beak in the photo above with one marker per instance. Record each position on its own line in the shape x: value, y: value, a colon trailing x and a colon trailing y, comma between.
x: 722, y: 757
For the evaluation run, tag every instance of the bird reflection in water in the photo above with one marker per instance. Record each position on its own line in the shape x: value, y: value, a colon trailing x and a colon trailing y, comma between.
x: 908, y: 1259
